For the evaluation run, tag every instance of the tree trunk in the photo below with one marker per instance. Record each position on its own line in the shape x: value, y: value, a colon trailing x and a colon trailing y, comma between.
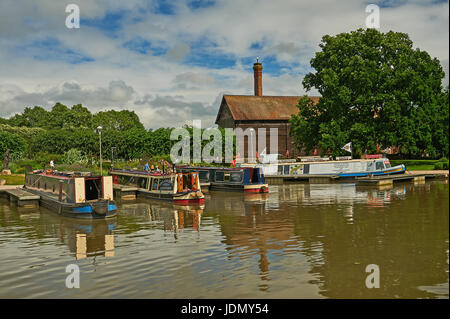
x: 6, y: 159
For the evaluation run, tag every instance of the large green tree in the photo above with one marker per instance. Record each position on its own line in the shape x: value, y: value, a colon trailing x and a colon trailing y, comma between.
x: 31, y: 117
x: 117, y: 120
x: 377, y: 91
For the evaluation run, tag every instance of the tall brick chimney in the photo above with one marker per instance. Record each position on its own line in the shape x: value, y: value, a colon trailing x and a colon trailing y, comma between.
x: 257, y: 74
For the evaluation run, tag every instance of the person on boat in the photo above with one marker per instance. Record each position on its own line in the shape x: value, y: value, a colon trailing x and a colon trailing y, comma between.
x: 146, y: 167
x: 52, y: 164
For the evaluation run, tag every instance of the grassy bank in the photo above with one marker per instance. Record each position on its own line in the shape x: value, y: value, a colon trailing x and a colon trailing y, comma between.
x: 422, y: 165
x: 18, y: 167
x: 13, y: 179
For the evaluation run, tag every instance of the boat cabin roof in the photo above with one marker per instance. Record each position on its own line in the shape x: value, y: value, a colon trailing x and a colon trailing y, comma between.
x: 319, y: 162
x: 213, y: 167
x: 141, y: 173
x: 63, y: 174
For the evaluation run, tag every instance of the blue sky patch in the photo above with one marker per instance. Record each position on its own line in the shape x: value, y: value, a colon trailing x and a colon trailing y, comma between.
x: 52, y: 49
x: 209, y: 59
x: 256, y: 46
x: 163, y: 7
x: 399, y: 3
x: 143, y: 46
x: 112, y: 21
x: 200, y: 4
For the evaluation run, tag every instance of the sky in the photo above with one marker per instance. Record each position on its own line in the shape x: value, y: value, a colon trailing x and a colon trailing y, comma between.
x: 171, y: 61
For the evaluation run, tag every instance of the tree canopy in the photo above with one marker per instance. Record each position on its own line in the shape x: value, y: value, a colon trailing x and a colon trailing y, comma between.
x: 63, y: 117
x: 377, y: 91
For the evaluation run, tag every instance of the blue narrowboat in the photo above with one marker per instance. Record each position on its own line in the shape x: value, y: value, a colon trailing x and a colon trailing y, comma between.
x: 70, y: 194
x: 243, y: 179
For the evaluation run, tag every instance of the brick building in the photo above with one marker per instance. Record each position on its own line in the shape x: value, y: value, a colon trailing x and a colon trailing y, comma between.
x: 258, y: 111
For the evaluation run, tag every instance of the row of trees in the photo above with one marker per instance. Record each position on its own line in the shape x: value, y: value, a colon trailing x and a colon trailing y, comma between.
x: 38, y: 133
x: 377, y: 92
x: 63, y: 117
x: 129, y: 144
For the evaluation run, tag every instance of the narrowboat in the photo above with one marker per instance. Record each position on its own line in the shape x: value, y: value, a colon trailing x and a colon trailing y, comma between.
x: 244, y: 179
x: 181, y: 188
x: 71, y: 194
x: 371, y: 165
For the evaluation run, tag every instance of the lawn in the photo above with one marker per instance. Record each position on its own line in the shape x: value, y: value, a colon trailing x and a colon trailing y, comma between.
x: 13, y: 179
x: 421, y: 165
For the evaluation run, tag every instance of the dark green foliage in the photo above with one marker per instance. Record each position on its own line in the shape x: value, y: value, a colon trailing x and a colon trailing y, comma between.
x: 62, y: 117
x: 117, y: 120
x: 64, y: 129
x: 14, y: 142
x: 376, y: 91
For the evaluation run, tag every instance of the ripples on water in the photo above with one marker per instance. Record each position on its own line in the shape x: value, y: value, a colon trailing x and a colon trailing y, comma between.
x: 298, y: 241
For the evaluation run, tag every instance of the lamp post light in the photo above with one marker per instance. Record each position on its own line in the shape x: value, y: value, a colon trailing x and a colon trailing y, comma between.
x: 99, y: 129
x: 112, y: 156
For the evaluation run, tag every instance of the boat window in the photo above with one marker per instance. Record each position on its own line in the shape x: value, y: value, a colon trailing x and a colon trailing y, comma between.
x: 142, y: 182
x: 387, y: 164
x: 187, y: 180
x: 280, y: 169
x: 236, y: 177
x: 155, y: 184
x: 370, y: 166
x: 204, y: 176
x: 166, y: 184
x: 220, y: 176
x: 286, y: 169
x: 380, y: 165
x: 124, y: 180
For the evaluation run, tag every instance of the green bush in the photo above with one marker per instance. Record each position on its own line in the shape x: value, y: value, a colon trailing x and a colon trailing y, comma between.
x: 75, y: 156
x: 20, y: 170
x: 441, y: 165
x: 14, y: 142
x: 43, y: 159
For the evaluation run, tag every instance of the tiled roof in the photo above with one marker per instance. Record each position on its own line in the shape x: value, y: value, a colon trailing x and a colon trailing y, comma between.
x: 250, y: 107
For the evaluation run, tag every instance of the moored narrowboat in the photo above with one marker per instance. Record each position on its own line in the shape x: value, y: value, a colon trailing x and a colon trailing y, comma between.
x: 181, y: 188
x: 245, y: 179
x: 70, y: 194
x: 371, y: 165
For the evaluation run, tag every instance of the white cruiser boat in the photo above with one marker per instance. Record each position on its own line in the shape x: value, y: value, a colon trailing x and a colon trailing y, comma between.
x: 372, y: 165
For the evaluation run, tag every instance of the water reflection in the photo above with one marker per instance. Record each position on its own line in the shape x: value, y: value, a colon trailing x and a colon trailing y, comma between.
x: 237, y: 203
x: 89, y: 239
x: 85, y: 238
x: 373, y: 225
x: 173, y: 217
x: 300, y: 240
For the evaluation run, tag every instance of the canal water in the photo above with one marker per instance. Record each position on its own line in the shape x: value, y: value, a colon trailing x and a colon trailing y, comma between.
x: 298, y: 241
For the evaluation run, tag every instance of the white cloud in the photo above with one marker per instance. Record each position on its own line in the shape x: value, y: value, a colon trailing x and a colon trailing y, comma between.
x: 165, y: 89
